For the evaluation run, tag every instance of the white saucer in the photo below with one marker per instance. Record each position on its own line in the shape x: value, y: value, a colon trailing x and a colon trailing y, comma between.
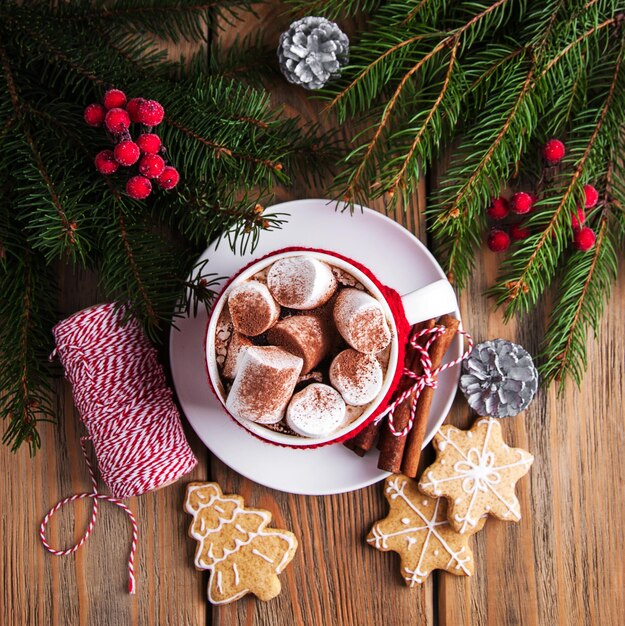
x: 396, y: 257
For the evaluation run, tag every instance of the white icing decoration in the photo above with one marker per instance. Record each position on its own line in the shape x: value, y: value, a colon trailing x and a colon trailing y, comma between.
x: 380, y: 539
x: 262, y: 556
x: 236, y: 574
x: 219, y: 509
x: 405, y: 520
x: 477, y: 472
x: 209, y: 502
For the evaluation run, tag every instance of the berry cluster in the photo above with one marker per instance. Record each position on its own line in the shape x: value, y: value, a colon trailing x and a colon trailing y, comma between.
x: 522, y: 202
x: 116, y: 114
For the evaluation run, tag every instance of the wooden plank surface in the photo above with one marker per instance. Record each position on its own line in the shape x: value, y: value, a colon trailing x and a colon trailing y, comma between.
x: 562, y: 564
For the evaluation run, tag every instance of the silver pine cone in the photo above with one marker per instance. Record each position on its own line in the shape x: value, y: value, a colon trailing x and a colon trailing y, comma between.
x: 312, y: 52
x: 499, y: 378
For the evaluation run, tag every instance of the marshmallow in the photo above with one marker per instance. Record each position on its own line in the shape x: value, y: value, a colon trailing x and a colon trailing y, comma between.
x: 264, y: 384
x: 315, y: 411
x: 357, y: 376
x: 236, y: 349
x: 361, y: 321
x: 252, y: 308
x: 301, y: 282
x: 306, y: 336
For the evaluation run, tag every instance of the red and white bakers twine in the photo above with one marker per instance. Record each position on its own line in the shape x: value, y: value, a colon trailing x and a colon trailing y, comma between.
x: 429, y: 378
x: 122, y: 395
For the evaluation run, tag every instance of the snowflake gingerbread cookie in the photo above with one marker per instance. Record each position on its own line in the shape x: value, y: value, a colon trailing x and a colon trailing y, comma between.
x: 235, y: 545
x: 476, y: 472
x: 418, y: 530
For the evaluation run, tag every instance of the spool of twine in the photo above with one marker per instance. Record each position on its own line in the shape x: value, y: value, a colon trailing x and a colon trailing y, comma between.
x: 121, y: 393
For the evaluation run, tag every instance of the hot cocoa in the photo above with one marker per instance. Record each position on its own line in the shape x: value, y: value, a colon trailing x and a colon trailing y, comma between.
x: 306, y: 353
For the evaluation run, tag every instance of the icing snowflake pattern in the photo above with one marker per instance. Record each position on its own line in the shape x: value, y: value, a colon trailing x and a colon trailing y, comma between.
x: 483, y: 477
x: 417, y: 528
x: 235, y: 545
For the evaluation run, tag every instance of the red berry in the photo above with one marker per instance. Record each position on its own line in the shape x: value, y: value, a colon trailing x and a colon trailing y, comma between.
x: 133, y: 108
x: 169, y: 178
x: 127, y: 153
x: 149, y: 143
x: 579, y: 219
x: 114, y: 99
x: 105, y: 162
x: 584, y: 239
x: 138, y: 187
x: 498, y: 240
x: 117, y: 121
x: 151, y: 165
x: 518, y: 232
x: 522, y: 203
x: 498, y: 209
x: 150, y: 113
x: 591, y: 196
x: 94, y: 115
x: 554, y: 151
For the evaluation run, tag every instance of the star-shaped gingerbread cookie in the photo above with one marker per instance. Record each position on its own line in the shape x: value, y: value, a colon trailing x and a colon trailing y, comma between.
x: 418, y: 530
x: 235, y: 544
x: 476, y: 472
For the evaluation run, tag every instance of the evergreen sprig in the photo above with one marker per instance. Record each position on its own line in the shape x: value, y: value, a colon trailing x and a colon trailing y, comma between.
x: 485, y: 83
x: 230, y: 145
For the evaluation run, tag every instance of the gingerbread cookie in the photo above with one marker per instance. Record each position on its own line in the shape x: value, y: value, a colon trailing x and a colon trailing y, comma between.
x: 235, y: 545
x: 418, y: 530
x: 476, y: 472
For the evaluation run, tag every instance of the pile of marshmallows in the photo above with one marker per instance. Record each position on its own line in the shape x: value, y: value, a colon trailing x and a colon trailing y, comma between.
x: 271, y: 349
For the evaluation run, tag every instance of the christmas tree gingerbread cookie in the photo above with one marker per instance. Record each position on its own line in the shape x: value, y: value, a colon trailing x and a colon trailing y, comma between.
x: 476, y: 472
x: 242, y: 554
x: 418, y: 530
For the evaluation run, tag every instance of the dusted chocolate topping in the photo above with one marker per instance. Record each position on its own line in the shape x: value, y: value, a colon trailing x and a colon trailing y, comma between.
x: 357, y: 376
x: 236, y: 348
x: 361, y: 321
x: 306, y: 336
x: 315, y: 411
x: 264, y: 384
x: 252, y: 308
x: 301, y: 282
x: 277, y: 365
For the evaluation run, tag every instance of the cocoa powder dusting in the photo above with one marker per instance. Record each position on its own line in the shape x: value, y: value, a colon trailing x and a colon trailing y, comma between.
x: 251, y: 313
x: 355, y: 368
x: 369, y: 331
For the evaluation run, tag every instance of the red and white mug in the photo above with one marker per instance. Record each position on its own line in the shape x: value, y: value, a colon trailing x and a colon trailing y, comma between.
x: 401, y: 313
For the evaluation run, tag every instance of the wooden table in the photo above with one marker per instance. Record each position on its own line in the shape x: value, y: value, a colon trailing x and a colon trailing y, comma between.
x: 562, y: 564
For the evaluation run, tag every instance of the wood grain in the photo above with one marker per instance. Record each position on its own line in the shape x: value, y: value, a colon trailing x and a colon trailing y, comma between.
x: 89, y: 588
x: 562, y: 564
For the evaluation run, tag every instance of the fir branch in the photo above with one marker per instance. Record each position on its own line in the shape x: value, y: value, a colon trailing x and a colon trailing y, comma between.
x: 26, y: 316
x: 333, y: 9
x: 352, y: 191
x: 523, y: 275
x: 584, y: 288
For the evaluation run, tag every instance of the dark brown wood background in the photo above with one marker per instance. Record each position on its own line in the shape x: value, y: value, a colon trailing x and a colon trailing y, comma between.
x: 562, y: 564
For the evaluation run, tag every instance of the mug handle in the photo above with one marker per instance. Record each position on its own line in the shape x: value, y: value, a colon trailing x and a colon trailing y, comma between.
x: 430, y: 301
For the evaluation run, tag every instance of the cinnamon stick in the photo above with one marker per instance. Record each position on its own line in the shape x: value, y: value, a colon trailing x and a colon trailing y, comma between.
x: 392, y: 447
x: 364, y: 440
x: 414, y: 443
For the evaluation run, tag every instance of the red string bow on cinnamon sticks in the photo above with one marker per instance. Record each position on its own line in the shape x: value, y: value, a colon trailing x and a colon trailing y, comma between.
x: 402, y: 429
